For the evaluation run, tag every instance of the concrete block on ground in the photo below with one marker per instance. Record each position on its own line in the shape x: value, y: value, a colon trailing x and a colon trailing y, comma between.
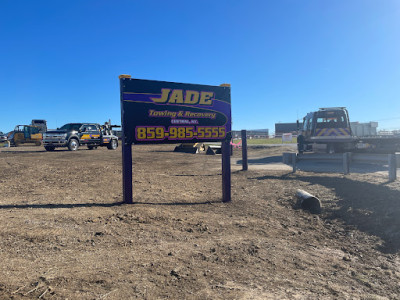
x: 287, y: 158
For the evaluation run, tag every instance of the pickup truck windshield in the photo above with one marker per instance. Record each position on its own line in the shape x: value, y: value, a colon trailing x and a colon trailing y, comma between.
x: 71, y: 127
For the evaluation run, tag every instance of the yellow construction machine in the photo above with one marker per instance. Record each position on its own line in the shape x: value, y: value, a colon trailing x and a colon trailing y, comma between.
x: 25, y: 134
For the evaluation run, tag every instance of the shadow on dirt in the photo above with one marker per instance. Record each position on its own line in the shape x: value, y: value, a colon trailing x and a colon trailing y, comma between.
x: 195, y: 175
x: 263, y: 160
x: 371, y: 208
x: 41, y: 151
x: 83, y: 205
x: 177, y: 203
x: 162, y: 151
x: 23, y: 152
x: 75, y: 205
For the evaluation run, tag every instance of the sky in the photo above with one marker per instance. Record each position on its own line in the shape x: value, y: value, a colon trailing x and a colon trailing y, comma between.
x: 60, y: 60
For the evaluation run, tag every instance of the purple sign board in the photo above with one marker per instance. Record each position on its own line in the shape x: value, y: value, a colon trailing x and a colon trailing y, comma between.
x: 160, y: 112
x: 157, y: 112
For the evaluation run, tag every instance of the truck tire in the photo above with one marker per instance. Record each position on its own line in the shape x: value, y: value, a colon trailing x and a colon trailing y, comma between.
x: 73, y: 145
x: 49, y: 148
x: 112, y: 145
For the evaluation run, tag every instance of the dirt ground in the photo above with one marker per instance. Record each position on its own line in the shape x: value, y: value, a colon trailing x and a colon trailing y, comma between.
x: 66, y: 235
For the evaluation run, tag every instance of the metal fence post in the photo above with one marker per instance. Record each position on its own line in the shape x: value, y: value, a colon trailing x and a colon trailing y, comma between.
x: 346, y: 163
x: 226, y: 171
x: 294, y: 161
x: 392, y: 167
x: 244, y: 150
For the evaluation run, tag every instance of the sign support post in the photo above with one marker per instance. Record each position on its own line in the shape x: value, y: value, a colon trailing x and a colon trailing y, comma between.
x: 126, y: 156
x: 226, y: 164
x: 244, y: 150
x: 226, y: 171
x: 127, y: 173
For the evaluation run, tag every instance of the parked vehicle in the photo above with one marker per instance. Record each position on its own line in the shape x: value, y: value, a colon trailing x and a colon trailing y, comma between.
x: 331, y: 127
x: 42, y: 124
x: 3, y: 137
x: 74, y: 135
x: 25, y: 134
x: 3, y: 140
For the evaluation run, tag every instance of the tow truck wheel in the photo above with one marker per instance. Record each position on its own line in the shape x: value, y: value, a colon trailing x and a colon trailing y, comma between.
x: 113, y: 145
x: 49, y: 148
x: 73, y: 145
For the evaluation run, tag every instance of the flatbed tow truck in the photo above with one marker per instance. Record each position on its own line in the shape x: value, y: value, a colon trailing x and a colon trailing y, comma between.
x: 331, y: 127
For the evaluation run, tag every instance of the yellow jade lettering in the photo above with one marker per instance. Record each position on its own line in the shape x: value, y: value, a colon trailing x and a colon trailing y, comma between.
x: 176, y: 97
x: 205, y: 98
x: 192, y: 97
x: 164, y: 96
x: 184, y: 97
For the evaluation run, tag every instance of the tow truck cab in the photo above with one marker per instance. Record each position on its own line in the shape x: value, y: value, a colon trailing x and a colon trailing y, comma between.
x: 329, y: 129
x: 333, y: 121
x: 73, y: 135
x: 330, y: 126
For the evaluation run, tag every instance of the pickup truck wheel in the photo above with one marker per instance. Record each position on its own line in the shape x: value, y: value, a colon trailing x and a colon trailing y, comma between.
x: 113, y: 145
x: 49, y: 148
x: 73, y: 145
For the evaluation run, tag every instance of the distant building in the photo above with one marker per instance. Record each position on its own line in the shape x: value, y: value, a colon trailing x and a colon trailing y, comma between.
x: 395, y: 132
x: 363, y: 129
x: 281, y: 128
x: 252, y: 134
